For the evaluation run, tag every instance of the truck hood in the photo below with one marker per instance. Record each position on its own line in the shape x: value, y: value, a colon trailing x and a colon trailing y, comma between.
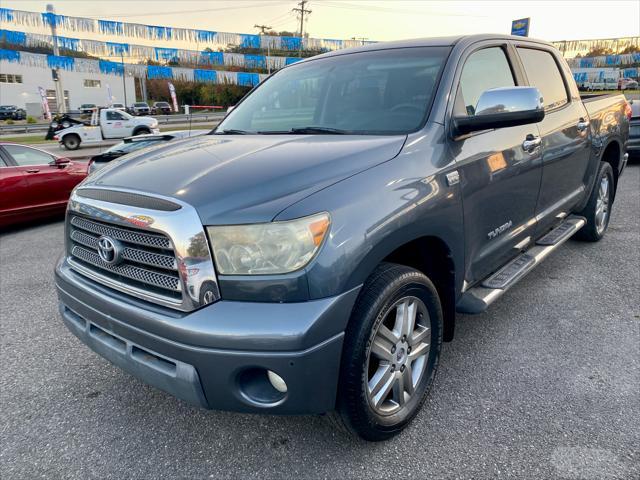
x: 246, y: 178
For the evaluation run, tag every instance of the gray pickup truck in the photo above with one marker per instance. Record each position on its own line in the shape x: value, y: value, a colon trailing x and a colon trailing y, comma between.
x: 311, y: 253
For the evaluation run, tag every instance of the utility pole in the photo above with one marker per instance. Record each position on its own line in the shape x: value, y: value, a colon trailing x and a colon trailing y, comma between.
x: 301, y: 11
x: 57, y: 79
x: 263, y: 29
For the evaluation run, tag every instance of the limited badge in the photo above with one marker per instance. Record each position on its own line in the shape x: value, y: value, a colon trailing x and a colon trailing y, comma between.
x: 141, y: 220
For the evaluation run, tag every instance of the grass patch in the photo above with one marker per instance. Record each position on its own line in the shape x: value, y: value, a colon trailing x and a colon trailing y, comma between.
x: 27, y: 139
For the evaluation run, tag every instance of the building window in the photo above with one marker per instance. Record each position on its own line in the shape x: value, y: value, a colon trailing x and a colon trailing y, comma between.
x: 88, y: 83
x: 10, y: 78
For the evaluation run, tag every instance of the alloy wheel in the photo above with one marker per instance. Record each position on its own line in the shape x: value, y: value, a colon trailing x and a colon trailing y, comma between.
x: 602, y: 205
x: 398, y: 355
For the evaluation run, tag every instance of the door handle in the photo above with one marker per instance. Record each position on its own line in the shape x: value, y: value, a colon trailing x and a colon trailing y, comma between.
x: 33, y: 170
x: 531, y: 143
x: 582, y: 125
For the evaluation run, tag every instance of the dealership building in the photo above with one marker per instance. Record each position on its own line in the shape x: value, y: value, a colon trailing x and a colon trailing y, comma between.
x: 20, y: 83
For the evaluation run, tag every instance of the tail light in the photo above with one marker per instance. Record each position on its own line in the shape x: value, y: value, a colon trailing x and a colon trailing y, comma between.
x: 627, y: 110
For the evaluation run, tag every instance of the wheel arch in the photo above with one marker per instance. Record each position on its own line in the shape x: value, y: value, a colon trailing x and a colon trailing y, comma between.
x: 612, y: 154
x: 429, y: 254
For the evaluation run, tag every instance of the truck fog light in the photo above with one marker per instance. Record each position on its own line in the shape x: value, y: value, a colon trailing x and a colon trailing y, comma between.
x: 277, y: 382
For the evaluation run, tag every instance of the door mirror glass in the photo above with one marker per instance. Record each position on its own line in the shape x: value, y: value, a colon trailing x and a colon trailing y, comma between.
x: 502, y: 107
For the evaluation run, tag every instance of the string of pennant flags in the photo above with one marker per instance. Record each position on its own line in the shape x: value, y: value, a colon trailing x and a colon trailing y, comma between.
x: 204, y: 38
x: 86, y: 65
x: 131, y: 51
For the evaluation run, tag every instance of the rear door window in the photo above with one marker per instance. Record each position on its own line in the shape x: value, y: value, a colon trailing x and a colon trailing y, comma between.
x: 485, y: 69
x: 543, y: 73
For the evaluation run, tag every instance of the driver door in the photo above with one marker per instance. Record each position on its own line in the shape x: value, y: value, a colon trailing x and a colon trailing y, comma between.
x: 500, y: 181
x: 116, y: 125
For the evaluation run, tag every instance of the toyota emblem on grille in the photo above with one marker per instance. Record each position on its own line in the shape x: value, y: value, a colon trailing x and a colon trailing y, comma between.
x: 109, y: 250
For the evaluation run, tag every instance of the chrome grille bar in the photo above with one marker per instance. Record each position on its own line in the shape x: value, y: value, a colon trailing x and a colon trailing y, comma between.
x: 144, y: 257
x: 148, y: 239
x: 149, y: 277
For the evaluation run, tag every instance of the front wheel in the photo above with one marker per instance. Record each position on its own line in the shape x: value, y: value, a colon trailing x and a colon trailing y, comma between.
x: 598, y: 209
x: 391, y: 352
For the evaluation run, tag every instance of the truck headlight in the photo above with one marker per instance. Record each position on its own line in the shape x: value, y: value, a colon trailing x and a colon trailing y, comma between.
x: 268, y: 248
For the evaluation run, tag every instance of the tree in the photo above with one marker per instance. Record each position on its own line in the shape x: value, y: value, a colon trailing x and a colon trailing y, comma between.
x: 631, y: 49
x: 598, y: 52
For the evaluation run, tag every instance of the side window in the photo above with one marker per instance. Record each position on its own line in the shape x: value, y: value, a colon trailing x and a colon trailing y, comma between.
x: 483, y: 70
x: 542, y: 72
x: 114, y: 116
x: 3, y: 163
x: 25, y: 156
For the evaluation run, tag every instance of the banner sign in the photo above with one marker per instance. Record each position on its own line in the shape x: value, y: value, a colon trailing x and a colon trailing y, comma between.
x: 520, y: 27
x: 172, y: 91
x: 45, y: 103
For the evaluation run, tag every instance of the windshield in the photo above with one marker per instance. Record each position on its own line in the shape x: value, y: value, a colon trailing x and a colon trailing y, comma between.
x: 141, y: 105
x: 378, y: 92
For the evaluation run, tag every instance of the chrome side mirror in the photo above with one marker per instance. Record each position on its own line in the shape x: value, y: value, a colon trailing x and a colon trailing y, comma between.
x: 502, y: 107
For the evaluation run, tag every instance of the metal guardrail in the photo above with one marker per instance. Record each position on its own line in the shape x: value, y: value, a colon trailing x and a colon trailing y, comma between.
x: 162, y: 120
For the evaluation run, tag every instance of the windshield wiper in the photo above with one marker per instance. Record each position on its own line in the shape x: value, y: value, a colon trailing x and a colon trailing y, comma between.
x: 231, y: 131
x: 325, y: 130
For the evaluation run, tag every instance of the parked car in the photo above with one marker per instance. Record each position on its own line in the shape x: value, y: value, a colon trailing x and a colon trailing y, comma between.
x: 88, y: 108
x: 311, y: 254
x: 133, y: 144
x: 140, y: 108
x: 105, y: 124
x: 161, y: 108
x: 34, y: 183
x: 12, y: 112
x: 119, y: 106
x: 627, y: 84
x: 633, y: 146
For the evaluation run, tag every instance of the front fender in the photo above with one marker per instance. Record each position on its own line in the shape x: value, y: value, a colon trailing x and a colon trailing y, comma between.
x: 377, y: 211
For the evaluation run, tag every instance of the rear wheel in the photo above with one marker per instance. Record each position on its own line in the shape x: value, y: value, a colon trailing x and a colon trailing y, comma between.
x: 391, y: 352
x: 71, y: 141
x: 598, y: 209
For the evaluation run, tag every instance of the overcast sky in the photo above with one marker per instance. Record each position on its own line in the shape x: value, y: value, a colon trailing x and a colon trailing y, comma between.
x: 375, y: 20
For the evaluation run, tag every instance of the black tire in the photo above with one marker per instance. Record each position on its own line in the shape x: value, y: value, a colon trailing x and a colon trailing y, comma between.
x: 141, y: 131
x: 595, y: 229
x: 388, y: 285
x: 71, y: 141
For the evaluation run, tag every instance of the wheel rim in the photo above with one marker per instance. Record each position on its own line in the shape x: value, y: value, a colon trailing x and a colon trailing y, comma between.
x: 398, y: 355
x: 602, y: 205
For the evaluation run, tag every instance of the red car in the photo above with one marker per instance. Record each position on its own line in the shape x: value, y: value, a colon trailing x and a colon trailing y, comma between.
x: 34, y: 183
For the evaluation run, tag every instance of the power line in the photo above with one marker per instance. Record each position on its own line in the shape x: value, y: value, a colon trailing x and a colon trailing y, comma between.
x: 301, y: 11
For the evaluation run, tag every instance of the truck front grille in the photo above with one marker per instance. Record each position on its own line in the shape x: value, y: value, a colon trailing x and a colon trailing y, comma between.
x: 147, y: 260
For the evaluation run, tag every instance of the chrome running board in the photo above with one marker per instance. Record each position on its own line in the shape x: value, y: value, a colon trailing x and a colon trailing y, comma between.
x: 478, y: 298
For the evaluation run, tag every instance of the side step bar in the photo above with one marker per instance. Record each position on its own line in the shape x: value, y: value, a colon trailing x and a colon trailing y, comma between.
x: 478, y: 298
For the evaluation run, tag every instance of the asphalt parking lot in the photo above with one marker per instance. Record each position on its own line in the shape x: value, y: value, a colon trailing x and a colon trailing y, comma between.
x: 544, y: 385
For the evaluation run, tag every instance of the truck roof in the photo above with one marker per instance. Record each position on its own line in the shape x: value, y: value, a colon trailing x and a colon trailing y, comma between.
x: 430, y: 42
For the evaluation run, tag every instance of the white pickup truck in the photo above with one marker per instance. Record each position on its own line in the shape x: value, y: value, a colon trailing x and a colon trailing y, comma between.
x: 106, y: 124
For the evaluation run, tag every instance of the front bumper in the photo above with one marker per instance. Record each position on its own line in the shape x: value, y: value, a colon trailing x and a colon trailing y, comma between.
x: 217, y: 356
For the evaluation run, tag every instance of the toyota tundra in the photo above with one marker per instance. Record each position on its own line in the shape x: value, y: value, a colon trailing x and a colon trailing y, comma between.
x: 310, y: 254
